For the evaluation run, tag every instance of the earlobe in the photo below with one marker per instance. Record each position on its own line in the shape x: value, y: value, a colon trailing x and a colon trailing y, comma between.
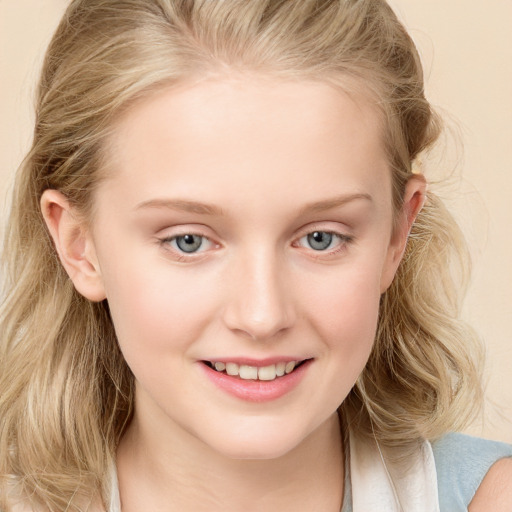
x: 414, y: 199
x: 74, y: 245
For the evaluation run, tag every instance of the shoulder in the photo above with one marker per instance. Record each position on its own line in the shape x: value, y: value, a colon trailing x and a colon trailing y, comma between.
x: 496, y: 489
x: 467, y: 464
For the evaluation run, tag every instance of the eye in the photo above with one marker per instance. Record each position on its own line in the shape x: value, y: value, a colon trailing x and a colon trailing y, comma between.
x: 324, y: 241
x: 188, y: 243
x: 319, y: 240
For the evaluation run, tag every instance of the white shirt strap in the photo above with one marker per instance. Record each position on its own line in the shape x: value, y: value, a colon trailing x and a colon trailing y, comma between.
x: 375, y: 489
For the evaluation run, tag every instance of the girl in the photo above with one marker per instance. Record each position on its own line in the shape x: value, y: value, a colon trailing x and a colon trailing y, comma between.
x: 226, y: 286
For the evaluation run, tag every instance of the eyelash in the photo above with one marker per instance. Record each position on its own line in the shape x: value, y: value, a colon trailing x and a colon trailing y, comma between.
x: 343, y: 241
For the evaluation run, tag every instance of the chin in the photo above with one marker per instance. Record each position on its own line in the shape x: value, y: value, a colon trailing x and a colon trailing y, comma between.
x: 257, y: 444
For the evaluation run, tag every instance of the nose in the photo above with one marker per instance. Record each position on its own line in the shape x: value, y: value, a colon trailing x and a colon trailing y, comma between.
x: 260, y: 304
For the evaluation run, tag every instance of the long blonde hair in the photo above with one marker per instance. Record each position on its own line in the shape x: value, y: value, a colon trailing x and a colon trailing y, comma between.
x: 66, y: 391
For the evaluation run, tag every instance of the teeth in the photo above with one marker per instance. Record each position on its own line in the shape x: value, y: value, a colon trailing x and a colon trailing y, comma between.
x: 267, y: 372
x: 289, y: 367
x: 247, y: 372
x: 220, y: 367
x: 232, y: 369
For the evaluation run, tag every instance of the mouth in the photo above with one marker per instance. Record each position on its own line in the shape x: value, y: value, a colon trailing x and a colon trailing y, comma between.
x: 261, y: 373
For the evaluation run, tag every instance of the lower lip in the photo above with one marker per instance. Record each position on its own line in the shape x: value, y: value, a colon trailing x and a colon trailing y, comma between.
x: 257, y: 390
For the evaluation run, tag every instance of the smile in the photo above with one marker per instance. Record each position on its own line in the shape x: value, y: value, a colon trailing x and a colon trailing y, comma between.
x: 247, y: 372
x: 253, y: 381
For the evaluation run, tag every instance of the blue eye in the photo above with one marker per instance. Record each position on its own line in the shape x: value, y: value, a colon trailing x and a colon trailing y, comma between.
x: 325, y: 241
x: 186, y: 246
x: 188, y: 243
x: 320, y: 240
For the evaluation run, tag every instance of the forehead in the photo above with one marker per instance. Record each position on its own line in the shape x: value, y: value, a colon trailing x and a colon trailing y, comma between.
x: 227, y: 137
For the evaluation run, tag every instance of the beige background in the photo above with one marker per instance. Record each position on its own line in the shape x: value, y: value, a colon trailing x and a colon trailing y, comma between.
x: 466, y: 47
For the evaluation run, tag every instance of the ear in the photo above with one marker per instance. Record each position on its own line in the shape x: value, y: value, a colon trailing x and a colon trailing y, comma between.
x: 414, y: 198
x: 74, y: 245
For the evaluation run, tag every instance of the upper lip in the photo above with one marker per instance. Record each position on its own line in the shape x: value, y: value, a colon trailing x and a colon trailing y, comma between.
x: 258, y: 363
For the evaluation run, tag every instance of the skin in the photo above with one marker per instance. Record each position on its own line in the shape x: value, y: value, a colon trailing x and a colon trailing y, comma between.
x: 271, y: 172
x: 495, y: 492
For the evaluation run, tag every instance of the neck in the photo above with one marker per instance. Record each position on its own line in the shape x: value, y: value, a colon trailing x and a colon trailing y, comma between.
x: 182, y: 474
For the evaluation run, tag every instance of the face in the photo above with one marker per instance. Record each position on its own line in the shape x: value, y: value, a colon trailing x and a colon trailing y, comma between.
x: 245, y: 232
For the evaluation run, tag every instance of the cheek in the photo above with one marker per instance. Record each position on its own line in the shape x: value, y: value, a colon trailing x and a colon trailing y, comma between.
x: 156, y: 306
x: 343, y: 313
x: 344, y: 309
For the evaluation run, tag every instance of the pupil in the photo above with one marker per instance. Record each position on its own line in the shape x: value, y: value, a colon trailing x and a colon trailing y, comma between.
x: 320, y: 240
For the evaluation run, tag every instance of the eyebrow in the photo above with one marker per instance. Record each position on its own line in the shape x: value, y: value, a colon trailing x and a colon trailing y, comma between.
x: 183, y: 205
x: 210, y: 209
x: 335, y: 202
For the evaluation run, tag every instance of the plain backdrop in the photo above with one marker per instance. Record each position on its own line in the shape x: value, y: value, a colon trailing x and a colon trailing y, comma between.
x: 466, y: 47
